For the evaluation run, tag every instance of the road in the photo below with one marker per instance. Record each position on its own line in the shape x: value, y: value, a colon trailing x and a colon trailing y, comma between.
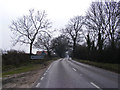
x: 67, y: 73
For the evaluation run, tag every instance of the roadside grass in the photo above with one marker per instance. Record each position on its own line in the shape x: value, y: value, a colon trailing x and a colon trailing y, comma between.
x: 107, y: 66
x: 0, y: 72
x: 32, y: 65
x: 21, y: 69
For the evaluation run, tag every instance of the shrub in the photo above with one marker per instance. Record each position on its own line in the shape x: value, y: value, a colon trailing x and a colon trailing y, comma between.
x: 15, y: 58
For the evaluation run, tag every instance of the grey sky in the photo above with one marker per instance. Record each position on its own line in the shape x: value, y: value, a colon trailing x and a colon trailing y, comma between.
x: 59, y: 12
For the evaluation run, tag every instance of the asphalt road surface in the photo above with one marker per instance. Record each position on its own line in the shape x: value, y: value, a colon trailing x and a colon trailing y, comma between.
x: 67, y: 73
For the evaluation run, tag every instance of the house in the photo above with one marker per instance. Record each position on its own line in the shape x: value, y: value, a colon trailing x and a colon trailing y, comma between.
x: 41, y: 53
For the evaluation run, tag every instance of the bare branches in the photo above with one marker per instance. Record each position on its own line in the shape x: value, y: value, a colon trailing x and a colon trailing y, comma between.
x: 30, y: 26
x: 102, y: 22
x: 74, y: 27
x: 74, y: 30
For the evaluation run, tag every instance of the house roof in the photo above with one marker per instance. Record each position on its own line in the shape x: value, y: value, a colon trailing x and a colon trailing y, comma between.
x: 40, y: 52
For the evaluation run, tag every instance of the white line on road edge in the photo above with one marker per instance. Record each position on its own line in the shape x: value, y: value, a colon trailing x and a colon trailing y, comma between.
x: 74, y: 69
x: 42, y: 78
x: 45, y: 74
x: 38, y: 85
x: 49, y: 67
x: 46, y: 71
x: 95, y: 86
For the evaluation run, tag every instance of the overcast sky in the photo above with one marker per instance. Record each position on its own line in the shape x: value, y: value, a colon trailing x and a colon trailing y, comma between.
x: 59, y: 12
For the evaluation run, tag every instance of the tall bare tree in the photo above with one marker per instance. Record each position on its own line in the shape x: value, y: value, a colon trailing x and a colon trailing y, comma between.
x: 27, y: 28
x: 96, y: 23
x: 74, y: 30
x: 102, y: 21
x: 111, y: 11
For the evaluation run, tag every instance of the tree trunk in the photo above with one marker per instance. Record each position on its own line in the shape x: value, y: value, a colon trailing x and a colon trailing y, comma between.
x: 31, y: 48
x: 100, y: 42
x: 74, y: 47
x: 113, y: 44
x: 88, y: 43
x: 49, y: 54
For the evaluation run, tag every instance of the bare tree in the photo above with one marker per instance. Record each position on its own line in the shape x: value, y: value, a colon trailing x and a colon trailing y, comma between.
x: 27, y: 28
x: 96, y: 24
x: 44, y: 42
x: 111, y: 11
x: 74, y: 30
x: 102, y: 23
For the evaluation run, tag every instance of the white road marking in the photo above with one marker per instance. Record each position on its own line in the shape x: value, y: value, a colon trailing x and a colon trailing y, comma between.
x: 74, y: 69
x: 49, y: 67
x: 42, y: 78
x: 95, y: 86
x: 38, y: 85
x: 45, y: 74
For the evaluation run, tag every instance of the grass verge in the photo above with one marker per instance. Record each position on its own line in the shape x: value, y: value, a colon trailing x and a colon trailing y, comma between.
x: 33, y: 65
x: 21, y: 69
x: 107, y: 66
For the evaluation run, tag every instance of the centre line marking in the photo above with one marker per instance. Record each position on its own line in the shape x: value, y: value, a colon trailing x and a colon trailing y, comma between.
x: 74, y: 69
x: 95, y: 86
x: 38, y: 85
x: 42, y: 78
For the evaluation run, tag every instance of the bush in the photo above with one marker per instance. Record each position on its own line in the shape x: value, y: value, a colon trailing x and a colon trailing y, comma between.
x: 107, y: 55
x: 81, y: 52
x: 15, y: 58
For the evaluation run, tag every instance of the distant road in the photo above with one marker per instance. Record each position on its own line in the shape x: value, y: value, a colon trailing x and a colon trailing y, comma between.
x: 65, y: 73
